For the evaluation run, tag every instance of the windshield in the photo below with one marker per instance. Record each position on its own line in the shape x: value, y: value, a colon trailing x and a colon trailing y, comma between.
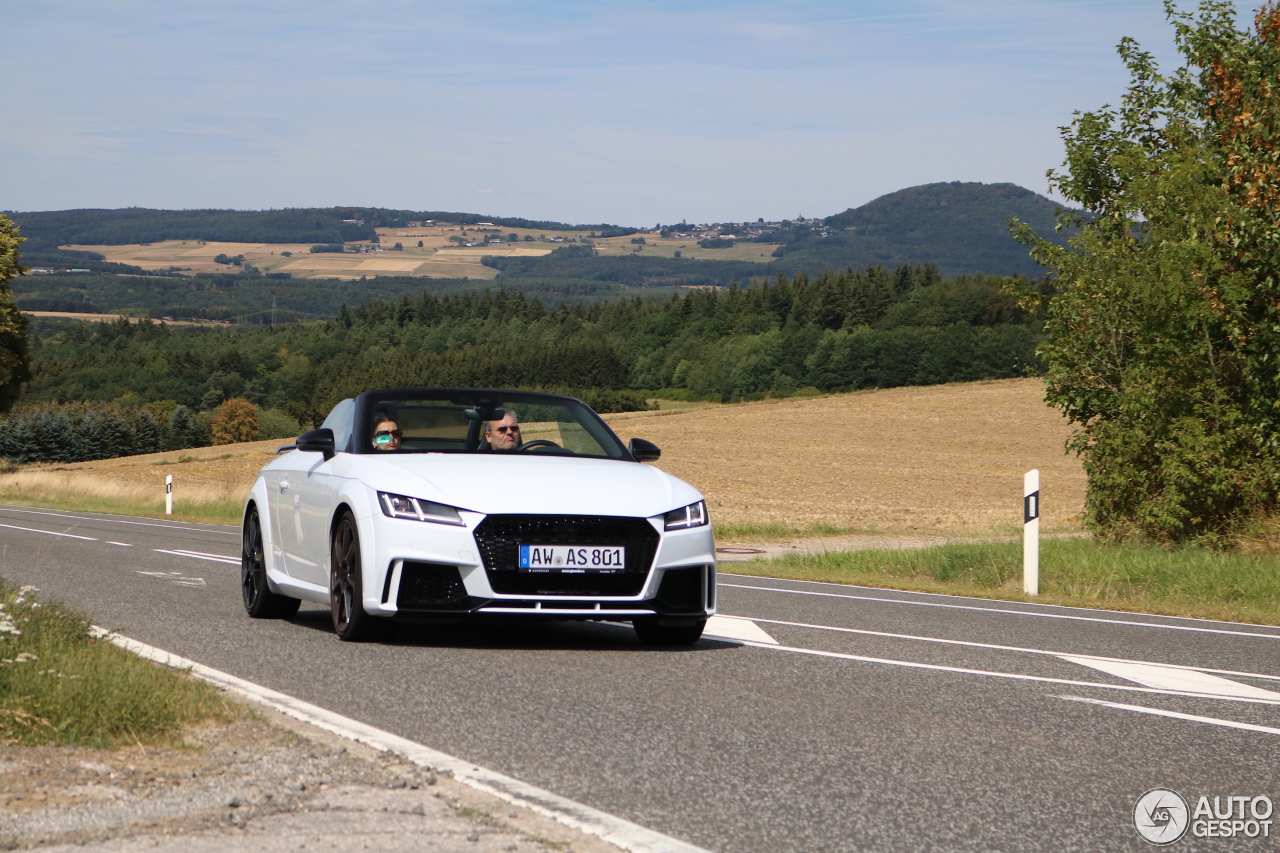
x: 452, y: 421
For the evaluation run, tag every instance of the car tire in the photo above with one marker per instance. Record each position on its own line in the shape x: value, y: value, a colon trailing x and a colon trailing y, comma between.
x: 346, y: 583
x: 651, y: 633
x: 259, y: 601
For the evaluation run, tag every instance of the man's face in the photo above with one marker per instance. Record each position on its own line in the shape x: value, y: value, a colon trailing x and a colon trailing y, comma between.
x: 386, y: 436
x: 504, y: 434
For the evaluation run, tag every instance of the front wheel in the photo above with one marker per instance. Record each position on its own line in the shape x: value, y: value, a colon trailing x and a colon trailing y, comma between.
x: 651, y: 633
x: 346, y: 583
x: 259, y: 601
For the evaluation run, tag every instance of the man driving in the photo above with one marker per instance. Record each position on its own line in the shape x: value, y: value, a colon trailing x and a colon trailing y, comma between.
x: 386, y: 435
x: 503, y: 434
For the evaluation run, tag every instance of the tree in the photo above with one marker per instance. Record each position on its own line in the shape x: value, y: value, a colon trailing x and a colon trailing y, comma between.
x: 237, y: 421
x: 1163, y: 316
x: 14, y: 352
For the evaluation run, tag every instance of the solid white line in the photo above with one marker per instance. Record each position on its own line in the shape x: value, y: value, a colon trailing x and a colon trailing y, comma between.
x: 1013, y: 676
x: 999, y: 648
x: 1159, y: 712
x: 107, y: 520
x: 121, y: 544
x: 227, y: 560
x: 49, y: 532
x: 1071, y: 607
x: 615, y: 830
x: 1004, y: 611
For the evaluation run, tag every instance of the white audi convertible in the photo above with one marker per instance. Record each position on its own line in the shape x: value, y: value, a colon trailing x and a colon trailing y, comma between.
x: 438, y: 504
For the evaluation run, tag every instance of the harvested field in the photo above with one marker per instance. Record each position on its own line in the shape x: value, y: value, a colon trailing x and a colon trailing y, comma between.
x: 938, y: 459
x: 933, y: 461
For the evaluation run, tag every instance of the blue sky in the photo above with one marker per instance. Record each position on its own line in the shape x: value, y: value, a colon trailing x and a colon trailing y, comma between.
x: 633, y: 113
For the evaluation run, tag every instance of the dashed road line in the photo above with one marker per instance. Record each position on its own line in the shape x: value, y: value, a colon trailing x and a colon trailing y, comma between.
x: 196, y: 555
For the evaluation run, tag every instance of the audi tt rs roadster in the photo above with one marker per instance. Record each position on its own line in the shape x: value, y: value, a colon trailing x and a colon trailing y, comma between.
x: 442, y: 504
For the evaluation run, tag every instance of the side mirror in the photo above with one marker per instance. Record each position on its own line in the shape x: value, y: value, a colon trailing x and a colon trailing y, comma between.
x: 643, y: 451
x: 317, y: 441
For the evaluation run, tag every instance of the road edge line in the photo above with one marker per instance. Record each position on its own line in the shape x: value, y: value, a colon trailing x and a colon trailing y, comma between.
x: 615, y: 830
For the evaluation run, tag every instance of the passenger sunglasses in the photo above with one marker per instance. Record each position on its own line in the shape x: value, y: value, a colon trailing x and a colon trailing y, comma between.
x: 381, y: 433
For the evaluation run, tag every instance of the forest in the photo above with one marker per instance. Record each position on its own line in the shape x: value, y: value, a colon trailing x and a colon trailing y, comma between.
x: 840, y: 331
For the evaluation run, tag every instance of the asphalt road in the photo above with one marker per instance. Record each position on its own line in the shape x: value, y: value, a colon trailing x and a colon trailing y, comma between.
x: 857, y: 719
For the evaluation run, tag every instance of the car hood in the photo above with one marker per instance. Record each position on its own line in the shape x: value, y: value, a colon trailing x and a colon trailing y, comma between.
x: 499, y: 483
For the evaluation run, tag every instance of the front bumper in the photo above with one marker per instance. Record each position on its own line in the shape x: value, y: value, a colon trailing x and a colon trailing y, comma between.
x: 422, y: 571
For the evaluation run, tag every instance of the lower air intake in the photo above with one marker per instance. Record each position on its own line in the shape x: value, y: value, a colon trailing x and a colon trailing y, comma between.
x: 429, y: 585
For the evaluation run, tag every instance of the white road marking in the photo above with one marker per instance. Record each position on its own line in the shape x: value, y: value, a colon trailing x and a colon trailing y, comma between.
x: 105, y: 520
x: 1172, y: 678
x: 736, y: 628
x: 49, y: 532
x: 177, y: 577
x: 121, y: 544
x: 217, y: 558
x: 1012, y: 676
x: 1072, y: 607
x: 1160, y: 712
x: 1006, y: 612
x: 999, y: 648
x: 615, y: 830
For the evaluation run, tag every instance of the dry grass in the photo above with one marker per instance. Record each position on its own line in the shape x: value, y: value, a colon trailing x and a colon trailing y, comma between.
x: 209, y: 483
x: 937, y: 459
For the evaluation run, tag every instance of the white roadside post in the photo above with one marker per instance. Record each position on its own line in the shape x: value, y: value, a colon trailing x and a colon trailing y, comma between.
x: 1031, y: 532
x: 168, y: 495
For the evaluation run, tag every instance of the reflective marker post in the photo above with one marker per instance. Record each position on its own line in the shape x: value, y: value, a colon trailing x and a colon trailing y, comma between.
x: 1031, y: 532
x: 168, y: 495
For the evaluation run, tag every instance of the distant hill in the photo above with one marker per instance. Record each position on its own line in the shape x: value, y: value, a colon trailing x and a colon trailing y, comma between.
x: 961, y: 227
x: 46, y: 230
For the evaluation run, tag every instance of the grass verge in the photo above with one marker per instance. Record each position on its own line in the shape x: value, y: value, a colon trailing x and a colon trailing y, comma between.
x: 75, y: 491
x: 60, y: 685
x: 1195, y: 582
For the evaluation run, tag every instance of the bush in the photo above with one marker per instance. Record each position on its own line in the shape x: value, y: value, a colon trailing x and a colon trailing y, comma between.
x: 273, y: 423
x: 236, y: 421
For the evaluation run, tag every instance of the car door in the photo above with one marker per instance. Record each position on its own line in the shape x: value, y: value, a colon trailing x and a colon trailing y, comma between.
x: 307, y: 542
x: 305, y: 504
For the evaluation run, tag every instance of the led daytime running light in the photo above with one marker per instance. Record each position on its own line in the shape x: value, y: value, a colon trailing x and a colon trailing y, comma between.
x: 417, y: 509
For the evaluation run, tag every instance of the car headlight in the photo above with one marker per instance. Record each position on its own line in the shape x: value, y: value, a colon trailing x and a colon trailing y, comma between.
x: 416, y: 509
x: 693, y: 515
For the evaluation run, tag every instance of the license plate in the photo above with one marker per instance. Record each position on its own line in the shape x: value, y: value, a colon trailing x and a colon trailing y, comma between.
x: 573, y: 558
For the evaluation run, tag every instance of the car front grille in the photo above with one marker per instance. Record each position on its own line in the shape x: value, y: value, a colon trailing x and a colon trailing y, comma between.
x: 499, y: 537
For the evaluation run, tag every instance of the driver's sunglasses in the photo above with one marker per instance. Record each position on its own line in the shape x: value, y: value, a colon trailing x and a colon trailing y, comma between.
x: 394, y: 432
x: 505, y: 429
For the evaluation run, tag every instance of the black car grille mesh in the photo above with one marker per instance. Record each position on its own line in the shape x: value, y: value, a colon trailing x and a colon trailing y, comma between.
x: 499, y: 538
x: 429, y: 585
x: 681, y: 590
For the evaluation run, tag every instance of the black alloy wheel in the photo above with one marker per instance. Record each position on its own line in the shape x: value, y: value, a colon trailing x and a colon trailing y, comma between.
x: 653, y: 634
x: 259, y: 601
x: 346, y: 584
